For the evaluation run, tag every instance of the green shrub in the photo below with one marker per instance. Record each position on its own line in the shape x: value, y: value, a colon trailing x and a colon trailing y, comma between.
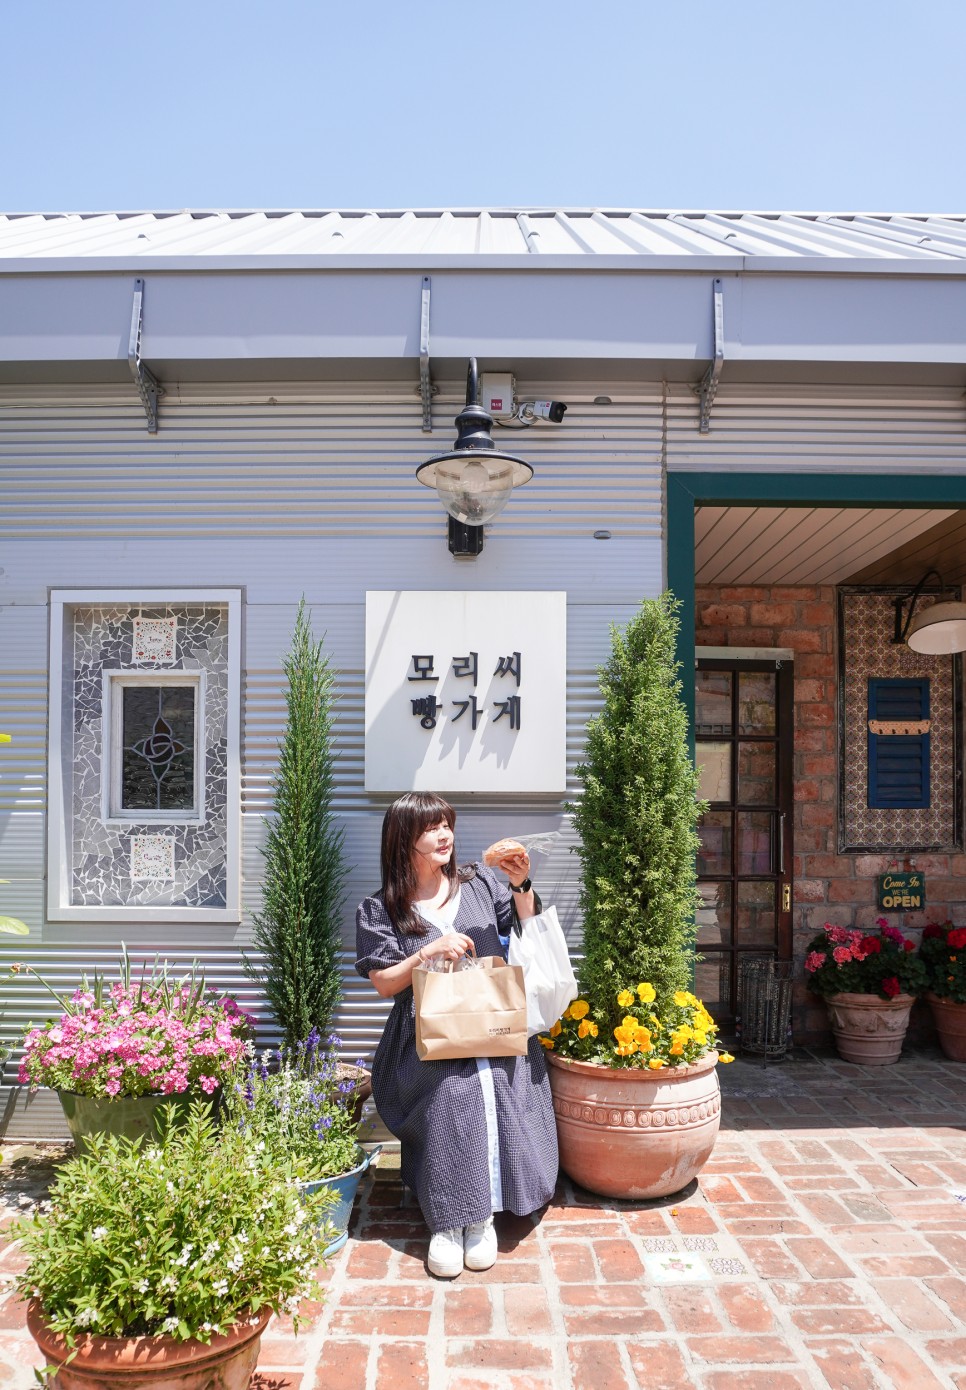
x: 185, y: 1237
x: 299, y: 929
x: 636, y: 820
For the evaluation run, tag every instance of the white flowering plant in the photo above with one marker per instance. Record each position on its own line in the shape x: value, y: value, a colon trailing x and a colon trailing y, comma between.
x: 185, y: 1236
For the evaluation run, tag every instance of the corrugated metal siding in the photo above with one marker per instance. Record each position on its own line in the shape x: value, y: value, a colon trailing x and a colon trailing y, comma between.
x: 285, y: 499
x: 321, y: 468
x: 786, y: 429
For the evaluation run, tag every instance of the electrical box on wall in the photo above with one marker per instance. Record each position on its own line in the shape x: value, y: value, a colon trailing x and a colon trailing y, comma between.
x: 497, y: 393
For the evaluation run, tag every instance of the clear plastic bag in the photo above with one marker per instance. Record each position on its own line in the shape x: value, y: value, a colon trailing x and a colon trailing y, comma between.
x: 439, y: 965
x: 542, y: 843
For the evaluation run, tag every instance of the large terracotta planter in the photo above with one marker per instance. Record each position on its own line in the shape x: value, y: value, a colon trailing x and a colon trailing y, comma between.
x: 869, y: 1030
x: 634, y: 1134
x: 950, y: 1020
x: 128, y: 1116
x: 345, y: 1187
x: 151, y: 1363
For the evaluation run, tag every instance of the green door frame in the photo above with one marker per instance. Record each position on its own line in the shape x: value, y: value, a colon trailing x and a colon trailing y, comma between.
x: 685, y: 491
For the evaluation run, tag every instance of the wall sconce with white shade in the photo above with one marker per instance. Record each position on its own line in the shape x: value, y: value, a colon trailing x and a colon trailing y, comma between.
x: 474, y: 480
x: 939, y: 630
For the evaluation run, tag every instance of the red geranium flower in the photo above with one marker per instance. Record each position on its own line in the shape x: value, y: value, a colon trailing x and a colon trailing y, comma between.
x: 871, y: 945
x: 891, y: 987
x: 957, y: 938
x: 933, y: 929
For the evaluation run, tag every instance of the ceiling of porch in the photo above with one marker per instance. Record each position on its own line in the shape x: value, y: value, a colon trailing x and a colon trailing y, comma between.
x: 827, y: 545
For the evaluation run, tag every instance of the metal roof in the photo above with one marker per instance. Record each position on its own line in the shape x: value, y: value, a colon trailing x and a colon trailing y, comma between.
x: 499, y: 237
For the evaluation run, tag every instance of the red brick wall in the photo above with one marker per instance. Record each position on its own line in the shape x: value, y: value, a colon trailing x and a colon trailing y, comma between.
x: 828, y: 886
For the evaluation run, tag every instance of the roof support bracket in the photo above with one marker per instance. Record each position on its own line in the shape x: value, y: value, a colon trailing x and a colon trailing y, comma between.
x: 149, y: 388
x: 426, y: 388
x: 709, y: 383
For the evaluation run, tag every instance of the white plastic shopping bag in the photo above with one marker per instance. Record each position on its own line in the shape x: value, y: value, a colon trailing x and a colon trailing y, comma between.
x: 548, y: 976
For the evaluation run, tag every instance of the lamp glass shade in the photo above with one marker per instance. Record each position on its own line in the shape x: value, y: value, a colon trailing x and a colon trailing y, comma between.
x: 939, y: 630
x: 474, y: 488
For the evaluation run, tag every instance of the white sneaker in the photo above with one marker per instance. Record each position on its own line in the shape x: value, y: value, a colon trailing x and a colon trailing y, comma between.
x: 479, y: 1245
x: 446, y: 1254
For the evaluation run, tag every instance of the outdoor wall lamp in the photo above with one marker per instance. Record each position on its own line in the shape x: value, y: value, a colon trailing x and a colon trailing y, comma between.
x: 475, y: 479
x: 938, y: 630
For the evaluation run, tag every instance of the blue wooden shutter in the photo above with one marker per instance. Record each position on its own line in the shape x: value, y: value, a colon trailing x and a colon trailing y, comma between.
x: 898, y: 763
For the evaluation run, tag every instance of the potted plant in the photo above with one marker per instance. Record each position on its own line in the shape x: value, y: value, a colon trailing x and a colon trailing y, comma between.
x: 162, y: 1262
x: 632, y: 1071
x: 298, y: 932
x: 637, y: 1103
x: 118, y: 1052
x: 943, y: 953
x: 869, y: 981
x: 304, y: 1106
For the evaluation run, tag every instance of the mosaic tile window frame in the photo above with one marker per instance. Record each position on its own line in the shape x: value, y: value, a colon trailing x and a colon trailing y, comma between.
x: 153, y: 864
x: 866, y: 622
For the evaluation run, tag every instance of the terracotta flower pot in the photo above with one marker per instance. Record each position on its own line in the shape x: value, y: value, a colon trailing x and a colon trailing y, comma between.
x: 869, y: 1030
x: 631, y: 1133
x: 950, y: 1020
x: 151, y: 1363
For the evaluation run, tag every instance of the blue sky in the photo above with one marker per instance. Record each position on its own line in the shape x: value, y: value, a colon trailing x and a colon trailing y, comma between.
x: 815, y: 106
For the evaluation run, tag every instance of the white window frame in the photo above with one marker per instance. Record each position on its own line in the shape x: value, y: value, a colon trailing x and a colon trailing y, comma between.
x: 60, y: 753
x: 113, y: 753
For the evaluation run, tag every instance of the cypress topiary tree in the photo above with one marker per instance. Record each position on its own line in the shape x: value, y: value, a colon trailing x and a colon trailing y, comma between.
x: 299, y: 929
x: 636, y: 819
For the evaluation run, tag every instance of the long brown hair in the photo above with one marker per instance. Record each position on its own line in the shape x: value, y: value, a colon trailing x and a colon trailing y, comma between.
x: 407, y: 818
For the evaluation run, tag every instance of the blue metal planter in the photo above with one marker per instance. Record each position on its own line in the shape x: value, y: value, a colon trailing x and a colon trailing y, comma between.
x: 345, y: 1187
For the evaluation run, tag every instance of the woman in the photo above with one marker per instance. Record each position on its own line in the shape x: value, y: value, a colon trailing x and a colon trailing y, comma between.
x: 477, y: 1135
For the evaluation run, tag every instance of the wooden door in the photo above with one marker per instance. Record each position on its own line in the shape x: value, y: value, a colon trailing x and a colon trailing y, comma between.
x: 743, y: 736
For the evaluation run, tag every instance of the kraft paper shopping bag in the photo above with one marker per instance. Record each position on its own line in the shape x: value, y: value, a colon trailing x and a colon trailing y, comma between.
x: 471, y: 1013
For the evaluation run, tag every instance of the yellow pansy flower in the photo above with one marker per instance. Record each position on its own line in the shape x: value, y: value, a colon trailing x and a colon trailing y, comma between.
x: 629, y: 1021
x: 677, y: 1048
x: 587, y: 1029
x: 556, y: 1030
x: 547, y: 1043
x: 643, y: 1039
x: 725, y: 1057
x: 655, y: 1063
x: 626, y: 1049
x: 681, y: 998
x: 646, y: 993
x: 624, y: 1035
x: 625, y: 999
x: 700, y: 1037
x: 579, y: 1009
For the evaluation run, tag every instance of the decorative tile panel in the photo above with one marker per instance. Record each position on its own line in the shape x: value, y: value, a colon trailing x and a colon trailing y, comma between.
x: 866, y: 626
x: 155, y: 641
x: 152, y: 857
x: 102, y: 856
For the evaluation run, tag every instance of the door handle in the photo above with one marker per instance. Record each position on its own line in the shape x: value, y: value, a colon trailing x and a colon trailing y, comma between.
x: 786, y: 897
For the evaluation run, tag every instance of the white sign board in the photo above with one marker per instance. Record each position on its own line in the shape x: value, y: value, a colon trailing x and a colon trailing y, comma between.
x: 466, y: 692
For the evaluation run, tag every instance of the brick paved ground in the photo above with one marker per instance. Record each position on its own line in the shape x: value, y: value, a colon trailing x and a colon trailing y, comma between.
x: 824, y: 1245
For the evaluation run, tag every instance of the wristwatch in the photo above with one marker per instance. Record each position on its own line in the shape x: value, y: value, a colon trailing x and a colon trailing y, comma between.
x: 523, y: 887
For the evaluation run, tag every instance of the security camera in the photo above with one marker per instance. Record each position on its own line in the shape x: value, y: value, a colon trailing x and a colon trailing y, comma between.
x: 542, y: 410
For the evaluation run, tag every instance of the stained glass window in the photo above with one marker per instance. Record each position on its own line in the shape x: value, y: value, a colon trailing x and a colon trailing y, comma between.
x: 157, y: 752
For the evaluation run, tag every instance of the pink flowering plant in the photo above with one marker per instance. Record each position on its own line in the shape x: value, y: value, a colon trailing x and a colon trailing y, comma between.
x: 155, y: 1037
x: 845, y: 960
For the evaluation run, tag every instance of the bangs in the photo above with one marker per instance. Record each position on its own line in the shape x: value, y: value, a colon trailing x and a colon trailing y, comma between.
x: 431, y: 811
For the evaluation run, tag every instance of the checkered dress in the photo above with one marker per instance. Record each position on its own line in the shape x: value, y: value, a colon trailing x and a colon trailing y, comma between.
x: 436, y: 1109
